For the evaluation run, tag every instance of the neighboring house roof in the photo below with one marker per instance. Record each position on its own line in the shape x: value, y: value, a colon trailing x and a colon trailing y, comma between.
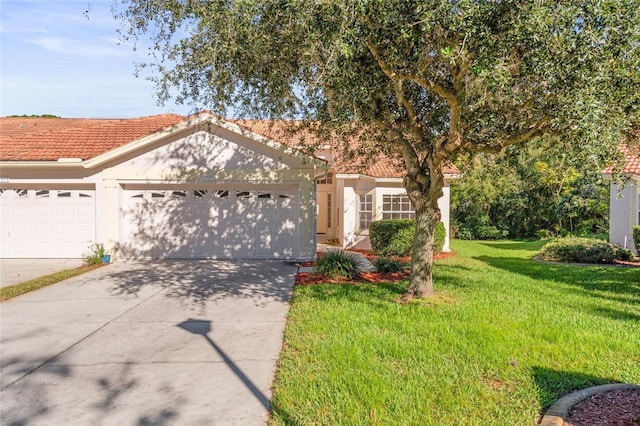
x: 632, y: 164
x: 632, y: 161
x: 50, y: 139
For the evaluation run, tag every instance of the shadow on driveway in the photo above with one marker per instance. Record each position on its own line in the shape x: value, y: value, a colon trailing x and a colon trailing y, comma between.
x: 110, y: 347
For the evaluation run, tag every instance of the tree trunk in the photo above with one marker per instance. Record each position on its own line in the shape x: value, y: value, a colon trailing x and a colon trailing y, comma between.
x: 424, y: 198
x: 421, y: 282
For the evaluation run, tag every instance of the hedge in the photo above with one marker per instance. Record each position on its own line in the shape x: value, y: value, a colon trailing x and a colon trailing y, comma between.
x: 581, y: 250
x: 395, y: 237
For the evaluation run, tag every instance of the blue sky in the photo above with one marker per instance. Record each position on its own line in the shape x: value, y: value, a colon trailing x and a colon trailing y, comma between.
x: 55, y: 59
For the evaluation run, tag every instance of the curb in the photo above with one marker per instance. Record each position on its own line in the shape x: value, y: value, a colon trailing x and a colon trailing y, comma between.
x: 557, y: 413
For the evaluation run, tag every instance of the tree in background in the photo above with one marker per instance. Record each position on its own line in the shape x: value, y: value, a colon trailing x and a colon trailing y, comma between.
x: 529, y: 191
x: 420, y: 81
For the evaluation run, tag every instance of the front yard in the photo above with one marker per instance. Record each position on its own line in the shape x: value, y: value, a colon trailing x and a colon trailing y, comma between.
x: 505, y: 338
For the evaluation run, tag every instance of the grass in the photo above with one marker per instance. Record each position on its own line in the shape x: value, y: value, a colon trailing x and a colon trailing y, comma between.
x: 507, y: 337
x: 14, y: 290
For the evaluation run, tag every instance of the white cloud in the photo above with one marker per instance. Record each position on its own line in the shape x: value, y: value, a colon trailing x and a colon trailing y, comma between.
x: 103, y: 47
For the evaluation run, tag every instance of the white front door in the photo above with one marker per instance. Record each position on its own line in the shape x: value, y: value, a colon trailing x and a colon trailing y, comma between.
x: 326, y: 217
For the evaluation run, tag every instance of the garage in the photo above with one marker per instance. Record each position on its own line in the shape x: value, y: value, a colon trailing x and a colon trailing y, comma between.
x: 208, y: 222
x: 163, y: 187
x: 46, y: 223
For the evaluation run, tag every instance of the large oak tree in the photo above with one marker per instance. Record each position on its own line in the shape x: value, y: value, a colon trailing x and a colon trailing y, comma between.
x: 419, y: 81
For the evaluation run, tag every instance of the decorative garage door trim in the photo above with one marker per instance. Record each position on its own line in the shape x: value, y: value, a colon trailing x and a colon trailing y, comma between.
x: 46, y: 223
x: 210, y: 222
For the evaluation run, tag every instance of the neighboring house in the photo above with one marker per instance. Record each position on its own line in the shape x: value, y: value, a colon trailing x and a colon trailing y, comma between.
x: 169, y: 186
x: 624, y: 207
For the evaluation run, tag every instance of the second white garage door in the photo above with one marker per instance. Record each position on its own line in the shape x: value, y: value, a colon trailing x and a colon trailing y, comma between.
x: 203, y: 223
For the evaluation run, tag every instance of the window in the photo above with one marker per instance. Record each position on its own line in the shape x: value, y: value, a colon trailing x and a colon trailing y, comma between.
x: 327, y: 180
x: 199, y: 193
x: 397, y: 206
x: 42, y: 193
x: 64, y: 194
x: 366, y: 211
x: 179, y: 194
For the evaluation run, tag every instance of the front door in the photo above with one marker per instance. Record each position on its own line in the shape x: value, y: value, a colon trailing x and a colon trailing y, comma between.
x: 325, y: 217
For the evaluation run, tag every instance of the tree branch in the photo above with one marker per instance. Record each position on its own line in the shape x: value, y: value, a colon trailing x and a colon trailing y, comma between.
x: 447, y: 95
x: 537, y: 129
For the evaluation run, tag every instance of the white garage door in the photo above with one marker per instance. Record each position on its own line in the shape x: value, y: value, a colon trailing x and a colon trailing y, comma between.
x: 209, y: 223
x: 46, y: 223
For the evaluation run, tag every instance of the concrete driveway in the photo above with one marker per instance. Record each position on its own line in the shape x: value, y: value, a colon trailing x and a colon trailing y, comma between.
x: 166, y: 342
x: 14, y: 271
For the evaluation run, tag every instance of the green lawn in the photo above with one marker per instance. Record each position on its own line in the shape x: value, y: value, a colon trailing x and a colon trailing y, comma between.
x: 510, y: 337
x: 15, y: 290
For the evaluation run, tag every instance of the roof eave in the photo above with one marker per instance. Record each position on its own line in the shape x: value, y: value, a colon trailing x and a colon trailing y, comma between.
x: 41, y: 164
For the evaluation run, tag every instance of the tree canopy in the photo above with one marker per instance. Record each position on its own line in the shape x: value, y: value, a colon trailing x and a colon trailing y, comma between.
x: 421, y: 81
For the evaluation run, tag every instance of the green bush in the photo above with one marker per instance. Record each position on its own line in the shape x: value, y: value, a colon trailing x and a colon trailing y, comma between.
x: 337, y: 264
x: 580, y: 250
x: 389, y: 265
x: 438, y: 238
x: 544, y: 234
x: 623, y: 254
x: 392, y: 237
x: 95, y: 254
x: 636, y: 237
x: 395, y: 237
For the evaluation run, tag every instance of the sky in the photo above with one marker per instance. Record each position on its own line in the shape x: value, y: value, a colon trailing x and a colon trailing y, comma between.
x: 65, y: 58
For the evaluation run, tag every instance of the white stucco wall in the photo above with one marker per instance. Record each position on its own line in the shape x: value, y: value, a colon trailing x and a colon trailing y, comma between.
x: 352, y: 237
x: 623, y: 213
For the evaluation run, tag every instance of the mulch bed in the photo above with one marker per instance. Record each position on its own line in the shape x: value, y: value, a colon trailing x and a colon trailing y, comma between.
x: 633, y: 263
x: 305, y: 278
x: 614, y: 408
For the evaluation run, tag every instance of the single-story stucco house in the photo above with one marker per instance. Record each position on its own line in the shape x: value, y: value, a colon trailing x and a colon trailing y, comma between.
x: 624, y: 206
x: 169, y: 186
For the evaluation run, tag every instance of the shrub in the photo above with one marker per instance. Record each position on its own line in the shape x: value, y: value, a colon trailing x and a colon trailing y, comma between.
x: 392, y: 237
x: 636, y: 237
x: 438, y: 238
x: 490, y: 232
x: 464, y: 233
x: 337, y: 264
x: 581, y: 250
x: 95, y: 254
x: 543, y: 234
x: 389, y: 265
x: 623, y: 254
x: 395, y: 237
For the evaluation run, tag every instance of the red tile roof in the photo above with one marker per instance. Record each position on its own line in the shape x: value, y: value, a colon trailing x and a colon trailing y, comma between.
x: 632, y: 160
x: 48, y: 139
x: 382, y: 167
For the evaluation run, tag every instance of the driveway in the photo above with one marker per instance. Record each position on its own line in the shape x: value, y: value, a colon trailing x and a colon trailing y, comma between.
x: 13, y: 271
x: 165, y: 342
